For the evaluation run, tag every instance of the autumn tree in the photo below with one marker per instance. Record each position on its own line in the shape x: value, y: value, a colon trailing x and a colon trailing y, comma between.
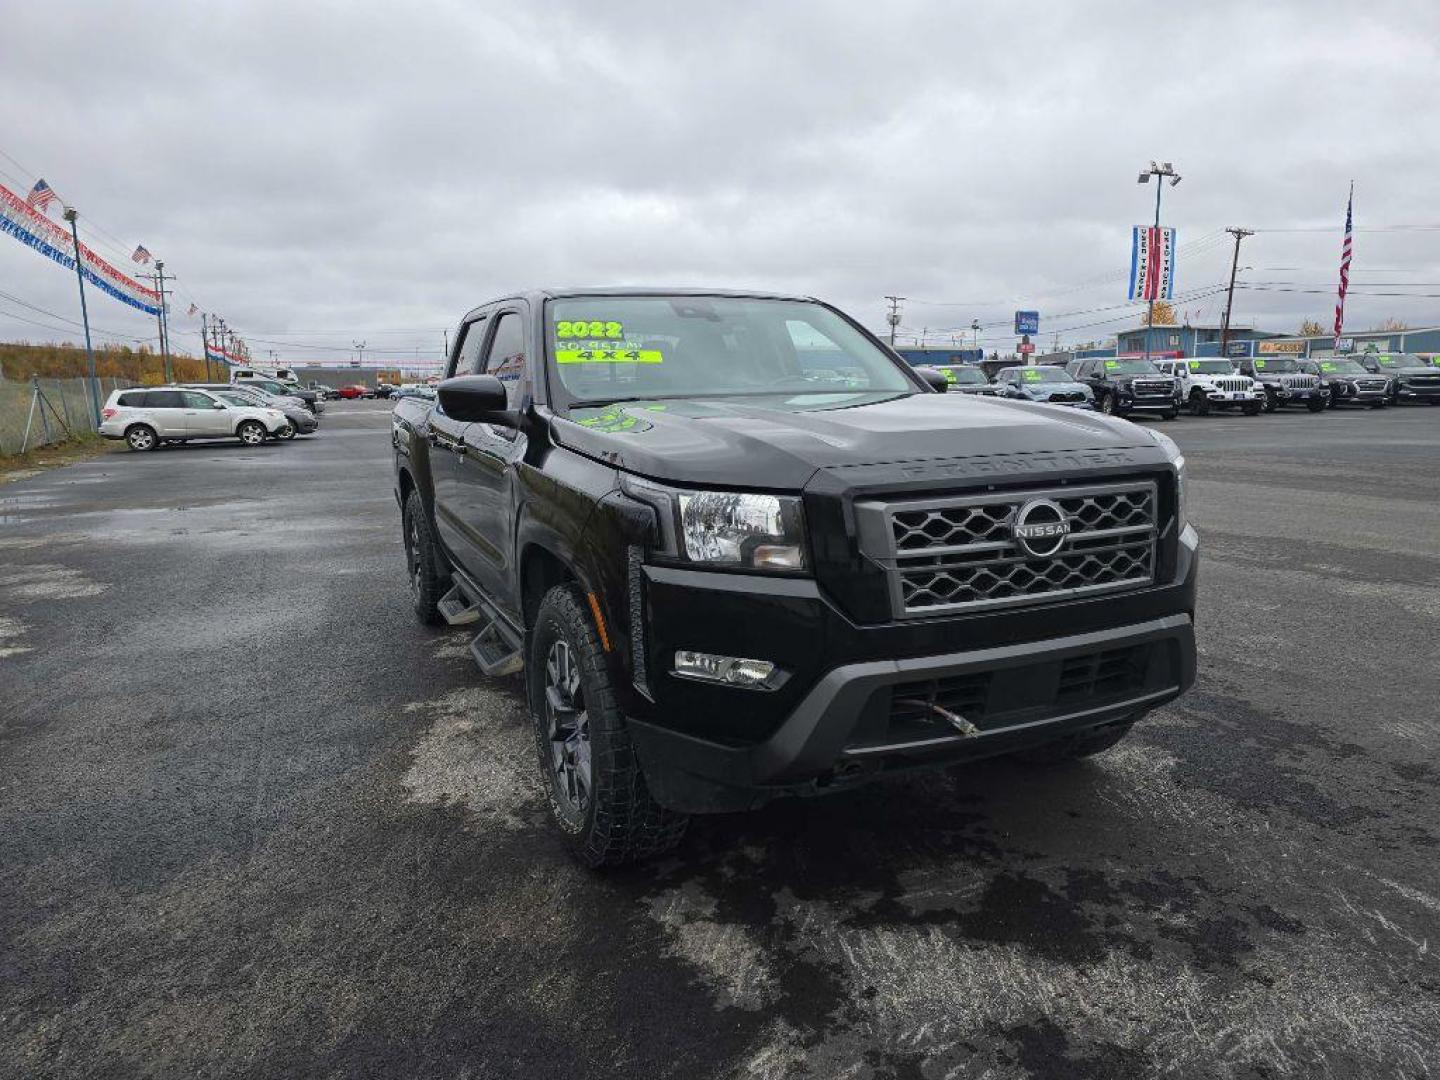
x: 1393, y: 324
x: 1162, y: 314
x: 1311, y: 328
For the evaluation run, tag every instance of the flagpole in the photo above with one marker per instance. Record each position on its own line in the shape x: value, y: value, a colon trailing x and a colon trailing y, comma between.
x: 205, y: 346
x: 70, y: 216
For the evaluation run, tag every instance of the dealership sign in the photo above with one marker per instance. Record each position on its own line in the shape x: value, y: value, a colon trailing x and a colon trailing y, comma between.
x: 1152, y: 263
x: 1027, y: 322
x: 1293, y: 348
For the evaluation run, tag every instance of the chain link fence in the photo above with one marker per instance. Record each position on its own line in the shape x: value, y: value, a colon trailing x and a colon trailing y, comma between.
x: 40, y: 412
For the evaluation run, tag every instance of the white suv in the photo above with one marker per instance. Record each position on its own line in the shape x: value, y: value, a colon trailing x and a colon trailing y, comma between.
x: 1214, y: 384
x: 146, y: 417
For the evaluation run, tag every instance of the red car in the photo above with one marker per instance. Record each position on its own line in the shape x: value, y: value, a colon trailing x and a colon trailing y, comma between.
x: 356, y: 391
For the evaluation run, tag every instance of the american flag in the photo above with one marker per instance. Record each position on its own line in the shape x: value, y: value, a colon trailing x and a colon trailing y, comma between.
x: 40, y: 197
x: 1344, y: 267
x: 141, y: 255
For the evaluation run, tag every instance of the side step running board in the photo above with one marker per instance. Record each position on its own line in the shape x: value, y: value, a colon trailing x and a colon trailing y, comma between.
x: 498, y: 648
x: 457, y: 608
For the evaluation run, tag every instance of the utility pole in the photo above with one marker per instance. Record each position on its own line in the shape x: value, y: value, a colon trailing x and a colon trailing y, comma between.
x: 975, y: 332
x: 160, y: 317
x: 205, y: 346
x: 1160, y: 172
x: 1239, y: 235
x: 893, y: 318
x: 70, y: 216
x: 360, y: 348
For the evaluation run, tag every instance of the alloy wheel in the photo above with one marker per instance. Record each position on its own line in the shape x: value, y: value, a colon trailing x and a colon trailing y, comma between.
x: 568, y: 726
x: 141, y: 439
x: 413, y: 566
x: 252, y: 434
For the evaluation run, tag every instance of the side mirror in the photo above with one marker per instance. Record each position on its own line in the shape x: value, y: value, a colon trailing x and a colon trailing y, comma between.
x: 475, y: 399
x: 217, y: 404
x: 935, y: 379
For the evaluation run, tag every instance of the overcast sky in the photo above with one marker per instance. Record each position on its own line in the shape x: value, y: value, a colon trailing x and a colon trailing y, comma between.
x: 323, y: 174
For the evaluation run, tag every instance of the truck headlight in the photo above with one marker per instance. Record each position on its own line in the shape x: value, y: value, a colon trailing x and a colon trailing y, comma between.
x: 1177, y: 459
x: 750, y: 530
x: 737, y: 528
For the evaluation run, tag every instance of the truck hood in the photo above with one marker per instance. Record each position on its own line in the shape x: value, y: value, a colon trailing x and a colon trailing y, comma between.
x: 779, y: 443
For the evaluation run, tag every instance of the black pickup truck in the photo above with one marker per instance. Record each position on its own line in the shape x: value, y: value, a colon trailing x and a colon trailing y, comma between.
x: 740, y: 550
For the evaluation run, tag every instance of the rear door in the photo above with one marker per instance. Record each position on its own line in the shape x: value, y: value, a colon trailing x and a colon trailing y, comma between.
x: 166, y: 409
x: 487, y: 458
x: 445, y: 448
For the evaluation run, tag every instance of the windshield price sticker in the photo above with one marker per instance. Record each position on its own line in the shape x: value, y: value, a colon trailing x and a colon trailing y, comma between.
x: 1111, y: 365
x: 1194, y: 365
x: 612, y: 353
x: 595, y: 328
x: 1327, y: 365
x: 1260, y: 364
x: 1030, y: 376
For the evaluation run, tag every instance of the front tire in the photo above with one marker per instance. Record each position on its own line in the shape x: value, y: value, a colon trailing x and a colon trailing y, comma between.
x: 1315, y: 406
x: 1075, y: 747
x: 1199, y: 403
x: 1252, y: 408
x: 1271, y: 402
x: 597, y: 793
x: 423, y: 564
x: 251, y: 432
x: 141, y: 438
x: 1169, y: 414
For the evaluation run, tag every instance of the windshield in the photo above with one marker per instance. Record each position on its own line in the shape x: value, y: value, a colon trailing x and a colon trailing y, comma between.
x: 1340, y: 367
x: 1282, y: 367
x: 1044, y: 375
x: 1399, y: 360
x: 965, y: 376
x: 617, y: 348
x: 1130, y: 367
x: 1211, y: 367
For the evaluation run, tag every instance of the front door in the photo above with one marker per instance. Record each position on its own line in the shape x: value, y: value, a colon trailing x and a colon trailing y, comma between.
x: 203, y: 420
x: 445, y: 450
x: 487, y: 466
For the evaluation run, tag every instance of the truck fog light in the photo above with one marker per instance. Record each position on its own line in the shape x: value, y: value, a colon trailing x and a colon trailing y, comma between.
x: 731, y: 670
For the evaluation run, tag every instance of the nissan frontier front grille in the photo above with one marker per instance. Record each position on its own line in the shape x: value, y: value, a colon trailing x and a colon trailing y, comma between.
x: 978, y: 551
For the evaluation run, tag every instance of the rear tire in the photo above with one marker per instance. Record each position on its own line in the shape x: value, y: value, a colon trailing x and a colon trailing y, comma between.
x: 1075, y: 747
x: 423, y: 565
x: 141, y: 437
x: 598, y: 797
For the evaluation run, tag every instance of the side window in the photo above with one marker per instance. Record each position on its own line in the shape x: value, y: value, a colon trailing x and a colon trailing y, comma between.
x: 194, y: 400
x: 131, y: 401
x: 467, y: 357
x: 506, y: 358
x: 165, y: 399
x: 1083, y: 371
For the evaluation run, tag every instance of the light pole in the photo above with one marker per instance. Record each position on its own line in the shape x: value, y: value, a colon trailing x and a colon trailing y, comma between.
x: 975, y: 331
x: 1160, y: 172
x: 70, y: 216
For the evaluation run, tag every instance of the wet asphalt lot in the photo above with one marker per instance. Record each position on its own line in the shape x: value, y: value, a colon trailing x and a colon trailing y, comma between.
x: 256, y: 821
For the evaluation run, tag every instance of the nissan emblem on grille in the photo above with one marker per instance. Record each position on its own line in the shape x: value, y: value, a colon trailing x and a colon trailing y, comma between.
x: 1040, y: 528
x: 991, y: 549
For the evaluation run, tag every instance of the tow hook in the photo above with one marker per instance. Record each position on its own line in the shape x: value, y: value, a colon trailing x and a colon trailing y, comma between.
x: 955, y: 720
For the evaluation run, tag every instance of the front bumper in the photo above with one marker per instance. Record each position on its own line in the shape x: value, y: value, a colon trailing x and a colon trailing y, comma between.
x: 1163, y: 402
x: 1417, y: 393
x: 1234, y: 397
x: 844, y: 714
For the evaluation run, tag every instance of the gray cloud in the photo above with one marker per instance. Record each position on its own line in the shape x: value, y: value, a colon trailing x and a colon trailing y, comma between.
x: 341, y: 170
